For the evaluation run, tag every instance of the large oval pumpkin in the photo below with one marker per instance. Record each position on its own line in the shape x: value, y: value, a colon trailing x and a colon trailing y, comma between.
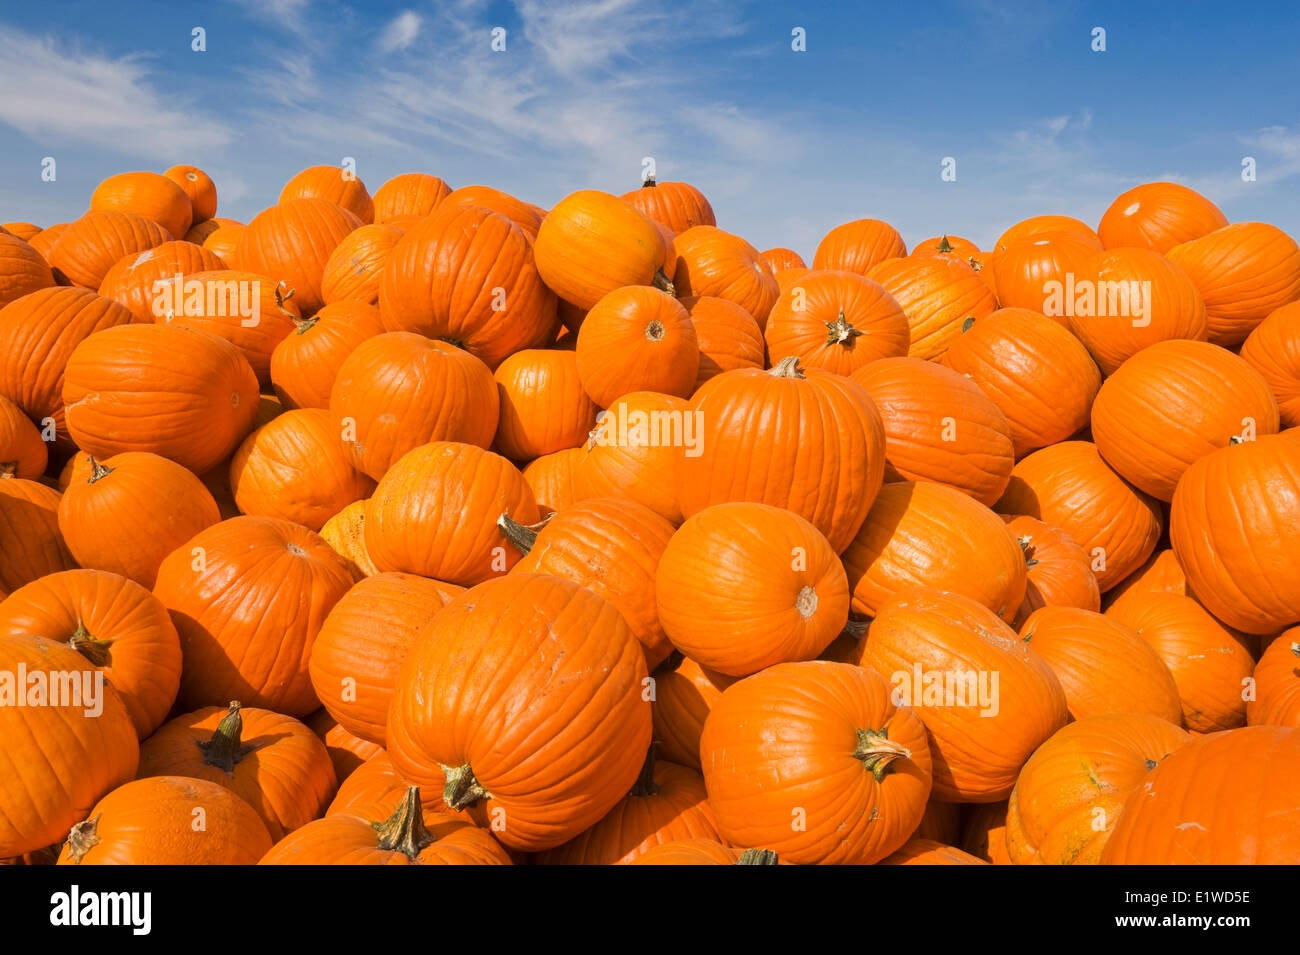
x: 29, y: 527
x: 291, y: 242
x: 146, y: 194
x: 858, y: 245
x: 87, y: 249
x: 1158, y: 216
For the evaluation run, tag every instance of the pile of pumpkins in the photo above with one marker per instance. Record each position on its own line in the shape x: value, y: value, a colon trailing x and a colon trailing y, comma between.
x: 435, y: 527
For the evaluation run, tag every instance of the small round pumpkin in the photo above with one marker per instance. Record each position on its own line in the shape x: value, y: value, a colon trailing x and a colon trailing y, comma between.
x: 779, y: 259
x: 1057, y: 568
x: 1036, y: 225
x: 684, y: 694
x: 543, y: 408
x: 726, y: 334
x: 678, y: 205
x: 29, y: 527
x: 1029, y: 268
x: 838, y: 321
x: 305, y: 365
x: 410, y: 194
x: 333, y: 184
x: 22, y: 452
x: 553, y: 479
x: 22, y: 269
x: 198, y: 185
x: 637, y: 338
x: 133, y: 279
x: 858, y: 245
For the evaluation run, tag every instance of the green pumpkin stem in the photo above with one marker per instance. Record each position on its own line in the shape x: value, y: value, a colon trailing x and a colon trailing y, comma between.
x: 840, y: 332
x: 83, y: 838
x: 462, y: 789
x: 645, y: 784
x: 98, y: 652
x: 225, y: 748
x: 404, y: 830
x: 944, y: 245
x: 787, y: 368
x: 757, y: 857
x: 877, y: 752
x: 663, y: 283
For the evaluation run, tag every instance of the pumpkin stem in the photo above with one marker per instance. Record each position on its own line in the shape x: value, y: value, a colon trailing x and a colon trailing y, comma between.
x: 654, y: 331
x: 840, y: 332
x: 98, y: 652
x: 462, y: 789
x: 304, y: 325
x: 82, y: 839
x: 1027, y: 548
x: 967, y: 324
x: 877, y: 751
x: 1295, y: 648
x: 8, y: 469
x: 649, y: 183
x: 404, y: 830
x: 281, y: 296
x: 225, y: 748
x: 645, y: 784
x: 757, y: 857
x: 806, y: 602
x: 97, y: 471
x: 943, y: 245
x: 663, y: 283
x: 523, y: 537
x: 787, y: 368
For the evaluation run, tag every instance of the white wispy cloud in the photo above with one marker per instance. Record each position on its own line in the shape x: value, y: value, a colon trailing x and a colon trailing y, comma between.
x: 400, y: 32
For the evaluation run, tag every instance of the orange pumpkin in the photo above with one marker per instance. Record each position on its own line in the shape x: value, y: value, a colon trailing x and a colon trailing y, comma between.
x: 937, y: 295
x: 355, y: 269
x: 200, y: 188
x: 411, y: 194
x: 677, y: 205
x: 553, y: 478
x: 24, y: 230
x: 146, y: 194
x: 224, y: 241
x: 22, y: 269
x: 684, y: 694
x: 521, y: 213
x: 838, y: 321
x: 1027, y: 269
x: 946, y: 245
x: 713, y: 262
x: 637, y: 339
x: 780, y: 259
x: 1277, y: 683
x: 29, y: 518
x: 86, y: 250
x: 347, y: 752
x: 305, y: 364
x: 1057, y: 568
x: 332, y: 184
x: 1036, y: 225
x: 22, y: 452
x: 929, y: 852
x: 346, y: 535
x: 133, y: 279
x: 543, y: 406
x: 726, y: 334
x: 291, y: 242
x: 1273, y: 350
x: 1158, y: 216
x: 859, y: 245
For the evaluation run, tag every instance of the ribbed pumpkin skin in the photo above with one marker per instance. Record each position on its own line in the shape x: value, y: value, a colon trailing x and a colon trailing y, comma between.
x: 689, y: 852
x: 633, y: 451
x: 29, y: 527
x: 295, y: 468
x: 939, y: 427
x: 127, y: 635
x: 291, y: 242
x: 284, y: 772
x: 56, y: 761
x: 1174, y: 403
x: 1239, y: 786
x: 1277, y: 683
x: 1158, y: 216
x: 1071, y: 791
x: 727, y: 336
x: 24, y: 230
x: 1243, y: 271
x: 334, y: 185
x: 953, y: 246
x: 684, y: 694
x: 920, y: 534
x: 742, y: 586
x: 199, y: 187
x: 1036, y: 225
x: 247, y: 619
x: 129, y: 513
x: 711, y: 261
x: 543, y: 408
x: 22, y: 269
x: 780, y: 746
x: 929, y: 852
x: 400, y: 390
x: 373, y: 782
x: 345, y: 533
x: 678, y: 205
x: 1175, y: 308
x: 410, y: 194
x: 613, y: 548
x: 521, y: 213
x: 359, y: 650
x: 1037, y: 373
x: 86, y: 250
x: 858, y: 245
x: 305, y: 365
x: 1057, y: 568
x: 146, y: 194
x: 194, y: 405
x: 131, y: 279
x: 1071, y: 486
x: 779, y: 258
x: 355, y: 268
x: 937, y: 295
x: 811, y: 442
x: 1103, y: 665
x: 637, y: 339
x: 37, y: 335
x: 675, y: 807
x: 976, y: 756
x: 22, y: 452
x: 786, y: 278
x: 224, y: 241
x: 1209, y: 664
x: 1273, y: 350
x: 1024, y: 266
x: 1235, y: 528
x: 552, y: 479
x: 592, y: 243
x: 553, y: 767
x: 43, y: 241
x: 435, y: 514
x: 838, y: 321
x: 442, y: 280
x: 1159, y: 572
x: 347, y: 752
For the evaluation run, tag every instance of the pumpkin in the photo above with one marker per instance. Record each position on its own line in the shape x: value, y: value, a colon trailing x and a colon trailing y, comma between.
x: 727, y: 336
x: 437, y: 512
x: 1277, y: 683
x: 332, y: 184
x: 359, y: 650
x: 677, y: 205
x: 345, y: 533
x: 787, y: 278
x: 24, y: 230
x: 1173, y: 403
x: 400, y: 390
x: 612, y: 547
x: 201, y: 230
x: 1238, y: 789
x: 742, y: 586
x: 475, y: 709
x: 1036, y: 225
x: 838, y: 321
x: 666, y: 803
x: 126, y: 513
x: 684, y: 694
x: 520, y: 213
x: 937, y: 295
x: 272, y: 762
x: 859, y: 245
x: 929, y: 852
x: 941, y: 822
x: 1210, y: 665
x: 1158, y: 216
x: 553, y: 478
x: 347, y: 752
x: 29, y: 527
x: 133, y: 280
x: 815, y: 761
x: 591, y: 243
x: 1103, y: 665
x: 22, y: 269
x: 1070, y: 792
x: 713, y: 262
x: 1057, y: 569
x: 1235, y: 528
x: 637, y: 339
x: 170, y: 390
x: 355, y: 268
x: 248, y: 596
x: 56, y: 760
x: 1038, y: 374
x: 1159, y: 572
x: 305, y: 364
x: 543, y: 407
x: 155, y: 821
x: 146, y: 194
x: 375, y: 781
x: 89, y: 247
x: 942, y: 652
x: 43, y: 241
x: 224, y: 241
x: 702, y: 852
x: 779, y: 259
x: 1029, y: 268
x: 295, y: 468
x: 469, y: 276
x: 1273, y: 350
x: 200, y: 188
x: 811, y: 442
x: 22, y: 452
x: 410, y: 194
x: 982, y: 264
x: 920, y: 534
x: 985, y: 833
x: 946, y: 245
x: 1071, y: 486
x: 291, y: 242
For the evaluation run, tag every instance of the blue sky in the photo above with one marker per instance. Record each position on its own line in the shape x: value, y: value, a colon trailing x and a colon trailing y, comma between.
x: 785, y: 144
